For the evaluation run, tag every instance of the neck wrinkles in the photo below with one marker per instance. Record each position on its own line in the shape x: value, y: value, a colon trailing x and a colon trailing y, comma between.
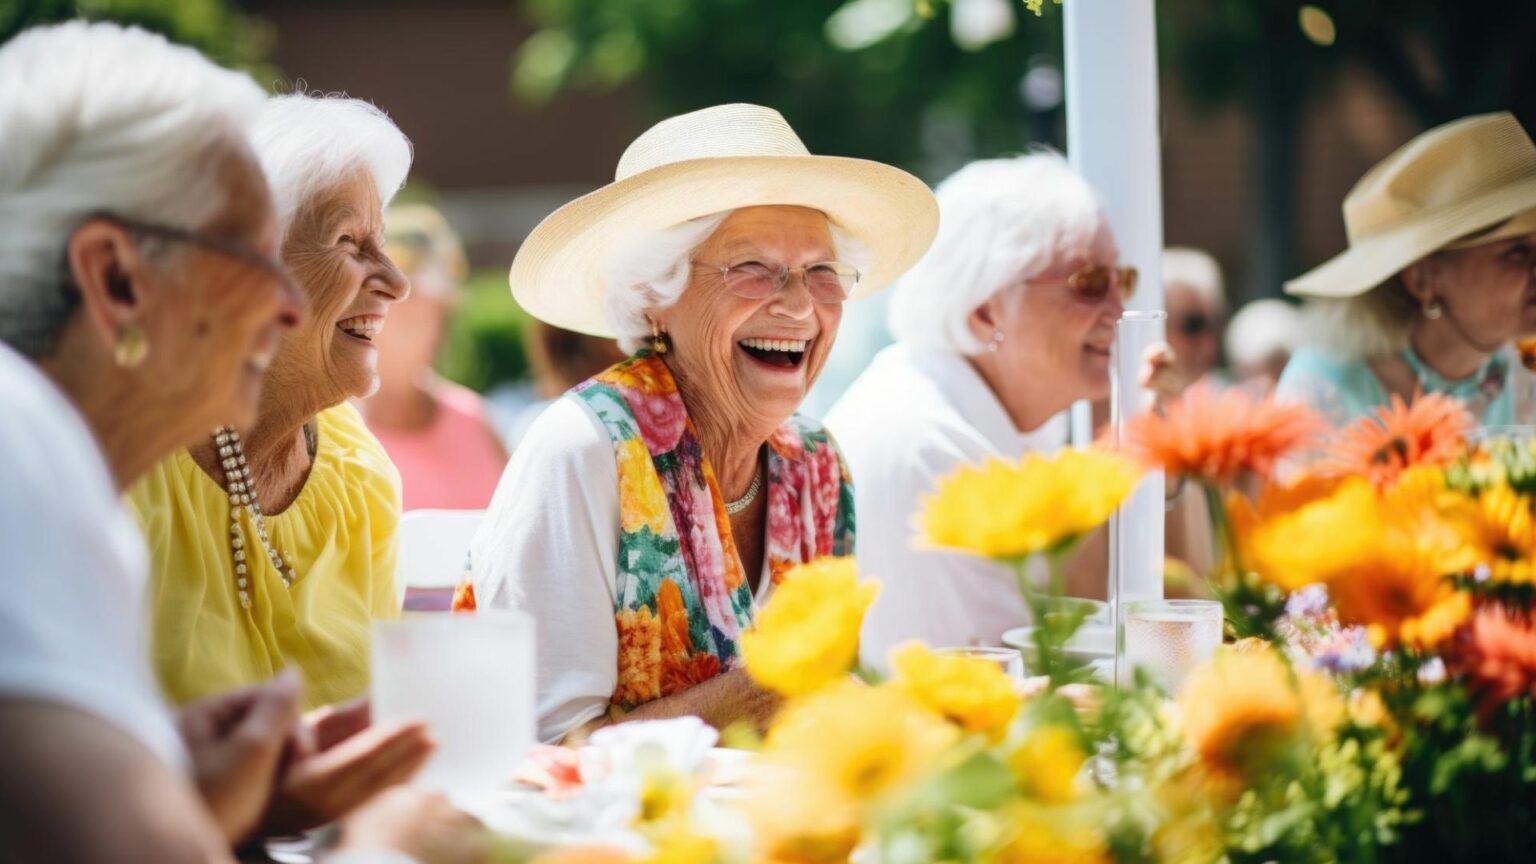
x: 731, y: 440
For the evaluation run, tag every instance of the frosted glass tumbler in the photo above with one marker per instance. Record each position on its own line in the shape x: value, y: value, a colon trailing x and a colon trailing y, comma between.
x: 471, y: 678
x: 1169, y: 638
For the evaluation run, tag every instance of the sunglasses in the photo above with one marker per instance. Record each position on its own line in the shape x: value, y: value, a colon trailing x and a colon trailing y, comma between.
x: 218, y: 245
x: 1194, y: 325
x: 1094, y: 284
x: 828, y: 282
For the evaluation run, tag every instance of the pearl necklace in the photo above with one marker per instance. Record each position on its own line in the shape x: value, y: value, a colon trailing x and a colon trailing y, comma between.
x: 745, y: 501
x: 242, y: 494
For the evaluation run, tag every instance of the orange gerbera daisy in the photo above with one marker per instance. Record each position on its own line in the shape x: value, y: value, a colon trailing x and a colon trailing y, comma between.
x: 1431, y: 430
x: 1220, y: 435
x: 1498, y: 654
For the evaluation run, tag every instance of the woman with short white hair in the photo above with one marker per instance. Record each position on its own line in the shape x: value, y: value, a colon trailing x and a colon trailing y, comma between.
x: 1006, y: 322
x: 648, y: 511
x: 273, y: 540
x: 1438, y: 281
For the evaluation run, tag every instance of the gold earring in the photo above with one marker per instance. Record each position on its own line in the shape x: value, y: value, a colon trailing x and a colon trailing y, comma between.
x: 132, y: 346
x: 658, y: 339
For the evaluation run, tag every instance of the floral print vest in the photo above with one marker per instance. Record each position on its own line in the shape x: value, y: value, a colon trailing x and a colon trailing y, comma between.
x: 682, y: 597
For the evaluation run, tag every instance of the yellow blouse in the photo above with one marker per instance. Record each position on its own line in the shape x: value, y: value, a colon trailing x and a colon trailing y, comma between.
x: 339, y: 534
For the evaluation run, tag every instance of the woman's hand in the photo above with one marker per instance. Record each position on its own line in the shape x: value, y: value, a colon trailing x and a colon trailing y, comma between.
x: 420, y: 824
x: 339, y: 763
x: 1158, y: 374
x: 235, y: 741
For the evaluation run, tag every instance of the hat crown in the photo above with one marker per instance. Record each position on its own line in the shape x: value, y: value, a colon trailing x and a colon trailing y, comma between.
x: 1450, y: 165
x: 711, y: 133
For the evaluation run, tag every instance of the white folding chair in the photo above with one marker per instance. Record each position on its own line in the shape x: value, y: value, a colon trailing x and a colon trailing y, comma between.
x: 433, y: 544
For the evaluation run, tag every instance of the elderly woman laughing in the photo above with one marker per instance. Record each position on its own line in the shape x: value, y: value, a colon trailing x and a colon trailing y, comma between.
x: 272, y: 545
x: 651, y: 508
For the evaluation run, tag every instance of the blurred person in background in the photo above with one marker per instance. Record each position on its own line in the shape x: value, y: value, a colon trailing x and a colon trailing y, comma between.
x: 436, y: 432
x: 650, y: 510
x: 1438, y: 281
x: 273, y: 542
x: 1259, y: 342
x: 1194, y: 295
x: 560, y: 359
x: 140, y: 302
x: 1006, y: 322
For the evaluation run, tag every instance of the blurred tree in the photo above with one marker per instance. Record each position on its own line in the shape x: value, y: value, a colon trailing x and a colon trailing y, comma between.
x: 1441, y: 60
x: 214, y: 27
x: 880, y: 79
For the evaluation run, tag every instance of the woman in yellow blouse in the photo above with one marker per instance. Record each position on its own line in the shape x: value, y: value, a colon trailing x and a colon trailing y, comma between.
x: 273, y: 546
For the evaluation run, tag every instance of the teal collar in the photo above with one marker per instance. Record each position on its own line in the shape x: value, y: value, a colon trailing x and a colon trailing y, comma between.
x: 1479, y: 388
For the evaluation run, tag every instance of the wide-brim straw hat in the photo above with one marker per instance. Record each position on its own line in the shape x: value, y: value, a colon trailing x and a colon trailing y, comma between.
x: 710, y: 161
x: 1469, y: 182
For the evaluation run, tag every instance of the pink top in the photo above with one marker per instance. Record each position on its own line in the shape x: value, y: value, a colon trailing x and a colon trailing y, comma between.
x: 452, y: 464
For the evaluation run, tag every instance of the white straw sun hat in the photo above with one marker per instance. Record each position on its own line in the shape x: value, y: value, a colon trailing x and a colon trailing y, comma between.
x: 710, y: 161
x: 1468, y: 182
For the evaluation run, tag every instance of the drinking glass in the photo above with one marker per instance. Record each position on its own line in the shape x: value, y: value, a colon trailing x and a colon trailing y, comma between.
x: 471, y: 678
x: 1169, y: 638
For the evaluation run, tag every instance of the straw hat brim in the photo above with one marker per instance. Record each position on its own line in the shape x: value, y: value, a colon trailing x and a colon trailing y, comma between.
x: 1373, y: 260
x: 557, y: 275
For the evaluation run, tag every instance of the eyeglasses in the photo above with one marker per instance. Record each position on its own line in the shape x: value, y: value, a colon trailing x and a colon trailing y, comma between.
x: 1194, y: 325
x: 1093, y: 284
x: 231, y: 248
x: 828, y: 282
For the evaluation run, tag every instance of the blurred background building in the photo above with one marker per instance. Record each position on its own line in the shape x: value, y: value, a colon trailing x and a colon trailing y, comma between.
x: 1271, y: 108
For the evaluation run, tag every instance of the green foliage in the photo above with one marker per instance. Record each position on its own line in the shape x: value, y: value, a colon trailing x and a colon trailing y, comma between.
x: 871, y: 98
x: 215, y: 27
x: 484, y: 346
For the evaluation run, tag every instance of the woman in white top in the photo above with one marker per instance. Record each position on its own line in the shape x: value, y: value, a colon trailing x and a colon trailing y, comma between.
x: 139, y: 305
x: 647, y: 511
x: 1005, y: 323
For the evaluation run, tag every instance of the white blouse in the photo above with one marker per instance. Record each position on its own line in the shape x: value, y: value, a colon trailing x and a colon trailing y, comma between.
x: 549, y: 547
x: 915, y: 415
x: 72, y: 605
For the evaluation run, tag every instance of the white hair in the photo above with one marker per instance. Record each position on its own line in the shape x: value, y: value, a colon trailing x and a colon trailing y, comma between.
x: 1001, y: 222
x: 1261, y: 329
x: 1370, y: 325
x: 650, y: 270
x: 101, y: 118
x: 1196, y: 270
x: 309, y: 142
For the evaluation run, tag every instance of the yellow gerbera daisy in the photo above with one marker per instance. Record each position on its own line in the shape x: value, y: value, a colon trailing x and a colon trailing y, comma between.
x: 1307, y: 532
x: 1239, y: 710
x: 1049, y: 763
x: 1011, y: 510
x: 808, y: 635
x: 1502, y: 533
x: 975, y: 694
x: 832, y: 754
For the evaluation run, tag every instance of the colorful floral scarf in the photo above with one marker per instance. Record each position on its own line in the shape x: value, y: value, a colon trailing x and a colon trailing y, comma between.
x: 682, y: 597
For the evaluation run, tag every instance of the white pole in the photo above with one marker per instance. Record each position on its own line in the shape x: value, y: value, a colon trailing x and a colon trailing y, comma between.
x: 1112, y: 139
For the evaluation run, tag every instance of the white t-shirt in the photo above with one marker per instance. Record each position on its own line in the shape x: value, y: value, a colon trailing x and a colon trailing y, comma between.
x: 915, y: 415
x: 72, y: 568
x: 549, y: 547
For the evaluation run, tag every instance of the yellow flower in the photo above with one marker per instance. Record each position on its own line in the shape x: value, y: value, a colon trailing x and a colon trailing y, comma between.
x: 808, y: 635
x: 1502, y: 533
x: 1306, y: 532
x: 1049, y: 763
x: 1011, y: 510
x: 684, y: 847
x: 640, y: 487
x: 1239, y: 710
x: 831, y: 755
x: 1051, y: 835
x: 975, y: 694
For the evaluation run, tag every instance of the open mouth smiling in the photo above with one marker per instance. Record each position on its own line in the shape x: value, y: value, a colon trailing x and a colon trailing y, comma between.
x: 362, y: 327
x: 778, y: 353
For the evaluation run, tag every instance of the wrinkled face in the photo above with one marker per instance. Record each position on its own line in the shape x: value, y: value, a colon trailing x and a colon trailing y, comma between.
x: 1194, y: 330
x: 755, y: 358
x: 217, y: 324
x: 335, y: 248
x: 1489, y: 289
x: 1056, y: 339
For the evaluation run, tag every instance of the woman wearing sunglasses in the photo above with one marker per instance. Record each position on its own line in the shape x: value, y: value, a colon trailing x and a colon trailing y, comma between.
x: 647, y: 512
x: 1008, y: 320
